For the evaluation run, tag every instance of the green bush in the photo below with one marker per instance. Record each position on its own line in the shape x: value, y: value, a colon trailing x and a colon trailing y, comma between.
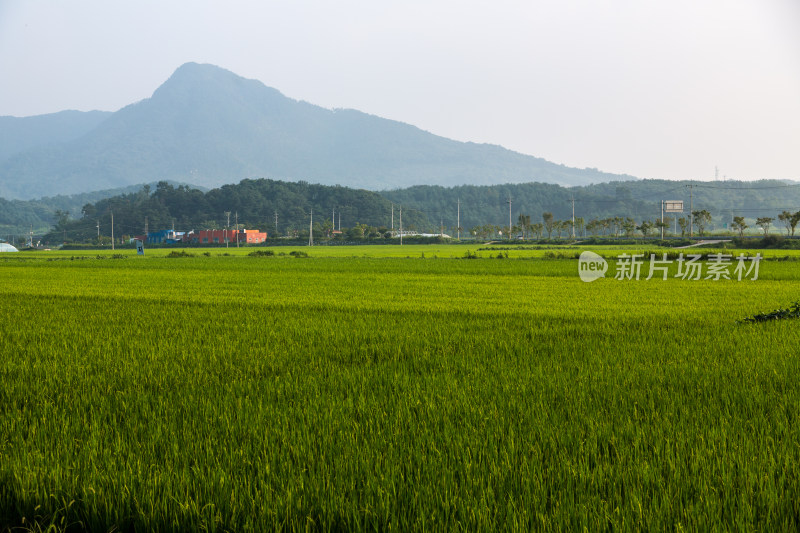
x: 182, y: 253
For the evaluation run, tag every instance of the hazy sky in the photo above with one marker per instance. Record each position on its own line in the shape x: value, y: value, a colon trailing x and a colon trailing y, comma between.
x: 655, y: 89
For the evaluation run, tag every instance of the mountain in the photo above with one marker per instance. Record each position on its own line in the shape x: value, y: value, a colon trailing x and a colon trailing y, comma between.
x: 19, y: 134
x: 208, y: 126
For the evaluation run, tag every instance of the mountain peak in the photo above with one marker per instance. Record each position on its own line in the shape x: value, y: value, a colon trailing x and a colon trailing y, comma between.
x: 209, y: 126
x: 200, y: 71
x: 203, y: 81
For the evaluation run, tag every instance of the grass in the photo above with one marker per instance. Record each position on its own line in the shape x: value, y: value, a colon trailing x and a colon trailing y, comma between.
x: 341, y: 392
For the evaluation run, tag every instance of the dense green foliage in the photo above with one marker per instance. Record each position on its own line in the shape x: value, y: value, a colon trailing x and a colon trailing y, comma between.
x: 18, y: 217
x: 255, y: 393
x: 425, y: 208
x: 255, y: 202
x: 639, y: 200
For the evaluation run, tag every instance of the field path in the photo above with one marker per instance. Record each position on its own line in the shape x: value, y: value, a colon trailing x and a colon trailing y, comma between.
x: 699, y: 243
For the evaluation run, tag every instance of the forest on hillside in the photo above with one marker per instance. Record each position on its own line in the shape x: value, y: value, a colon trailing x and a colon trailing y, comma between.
x: 279, y: 208
x: 478, y: 210
x: 639, y: 200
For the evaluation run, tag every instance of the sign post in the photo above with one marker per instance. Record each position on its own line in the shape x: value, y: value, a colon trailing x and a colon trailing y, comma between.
x: 672, y: 206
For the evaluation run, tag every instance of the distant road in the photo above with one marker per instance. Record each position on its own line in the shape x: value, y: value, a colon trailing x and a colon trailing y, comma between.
x: 700, y: 243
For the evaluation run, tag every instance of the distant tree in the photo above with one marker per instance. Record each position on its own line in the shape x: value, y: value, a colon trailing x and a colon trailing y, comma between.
x: 567, y: 227
x: 662, y: 224
x: 478, y: 232
x: 580, y: 227
x: 739, y: 225
x: 645, y: 227
x: 559, y: 227
x: 89, y: 210
x: 702, y: 218
x: 61, y: 219
x: 794, y: 220
x: 618, y: 223
x: 524, y: 224
x: 683, y: 222
x: 537, y: 229
x: 629, y: 226
x: 549, y: 223
x: 327, y: 228
x: 786, y: 218
x: 764, y: 223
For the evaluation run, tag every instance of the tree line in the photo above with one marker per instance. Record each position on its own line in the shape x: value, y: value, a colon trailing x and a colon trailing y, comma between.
x: 613, y: 209
x: 279, y: 208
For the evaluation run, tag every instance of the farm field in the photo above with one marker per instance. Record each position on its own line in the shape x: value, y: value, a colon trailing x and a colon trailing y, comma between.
x: 514, y: 250
x: 373, y: 388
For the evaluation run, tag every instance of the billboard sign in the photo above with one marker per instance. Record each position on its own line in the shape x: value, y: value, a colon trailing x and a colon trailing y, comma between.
x: 673, y: 206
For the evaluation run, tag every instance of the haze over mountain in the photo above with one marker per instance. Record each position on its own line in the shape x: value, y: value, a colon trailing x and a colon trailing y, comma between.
x: 21, y: 134
x: 208, y: 126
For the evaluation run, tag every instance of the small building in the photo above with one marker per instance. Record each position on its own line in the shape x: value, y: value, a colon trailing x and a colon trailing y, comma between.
x: 221, y: 236
x: 252, y: 236
x: 165, y: 236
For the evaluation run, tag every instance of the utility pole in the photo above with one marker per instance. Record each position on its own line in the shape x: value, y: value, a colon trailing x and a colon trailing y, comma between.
x: 311, y: 230
x: 112, y: 230
x: 573, y: 217
x: 691, y: 208
x: 401, y: 225
x: 31, y: 237
x: 276, y: 223
x: 441, y: 227
x: 509, y: 217
x: 340, y: 220
x: 237, y: 229
x: 146, y: 227
x: 98, y: 231
x: 228, y: 223
x: 392, y: 220
x: 662, y: 220
x: 458, y: 219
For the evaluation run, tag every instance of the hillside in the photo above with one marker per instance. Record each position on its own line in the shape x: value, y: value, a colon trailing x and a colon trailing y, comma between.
x: 640, y: 200
x: 18, y: 217
x: 20, y: 134
x: 253, y: 202
x: 208, y: 126
x: 425, y: 208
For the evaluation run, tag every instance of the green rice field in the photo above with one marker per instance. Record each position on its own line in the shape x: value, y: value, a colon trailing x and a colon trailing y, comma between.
x: 393, y: 389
